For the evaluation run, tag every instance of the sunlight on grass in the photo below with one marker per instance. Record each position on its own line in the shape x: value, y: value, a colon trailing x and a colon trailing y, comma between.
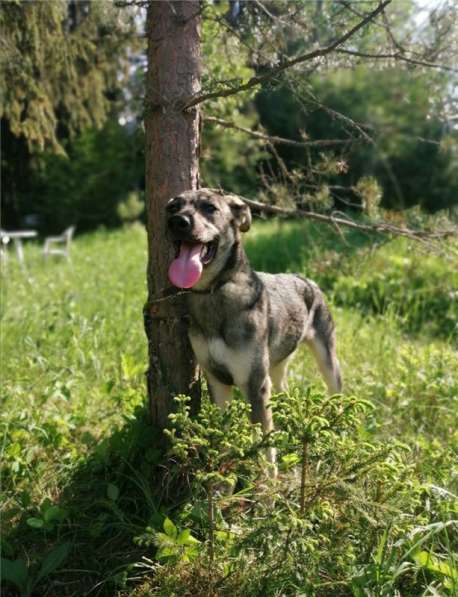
x: 78, y: 452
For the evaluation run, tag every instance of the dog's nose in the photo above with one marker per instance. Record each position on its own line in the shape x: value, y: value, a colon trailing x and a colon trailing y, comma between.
x: 180, y: 223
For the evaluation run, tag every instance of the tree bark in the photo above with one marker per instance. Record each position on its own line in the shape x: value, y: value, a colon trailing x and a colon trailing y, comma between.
x: 172, y: 166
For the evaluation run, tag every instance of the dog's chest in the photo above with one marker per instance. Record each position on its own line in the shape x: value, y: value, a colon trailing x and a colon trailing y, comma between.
x: 216, y: 357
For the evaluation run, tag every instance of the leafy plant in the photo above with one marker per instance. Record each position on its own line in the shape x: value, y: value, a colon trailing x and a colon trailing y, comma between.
x: 346, y: 486
x: 48, y: 517
x: 26, y: 577
x: 438, y: 567
x: 176, y: 545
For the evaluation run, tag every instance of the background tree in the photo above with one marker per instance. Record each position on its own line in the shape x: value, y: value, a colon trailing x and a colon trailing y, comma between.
x: 387, y: 101
x: 403, y: 128
x: 88, y: 185
x: 382, y: 130
x: 61, y: 67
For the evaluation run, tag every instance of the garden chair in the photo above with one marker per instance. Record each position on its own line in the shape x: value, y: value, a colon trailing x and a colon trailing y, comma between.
x: 64, y: 239
x: 4, y: 240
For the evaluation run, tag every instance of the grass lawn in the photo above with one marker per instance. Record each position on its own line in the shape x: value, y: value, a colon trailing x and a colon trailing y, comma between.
x: 86, y: 506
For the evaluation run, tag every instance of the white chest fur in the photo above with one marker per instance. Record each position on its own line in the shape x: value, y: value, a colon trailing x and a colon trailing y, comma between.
x: 237, y: 362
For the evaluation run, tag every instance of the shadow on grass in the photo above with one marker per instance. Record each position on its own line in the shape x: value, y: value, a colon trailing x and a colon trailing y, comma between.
x: 105, y: 508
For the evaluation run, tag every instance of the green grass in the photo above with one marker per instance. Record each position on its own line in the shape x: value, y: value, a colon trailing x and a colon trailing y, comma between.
x: 81, y: 467
x: 73, y: 349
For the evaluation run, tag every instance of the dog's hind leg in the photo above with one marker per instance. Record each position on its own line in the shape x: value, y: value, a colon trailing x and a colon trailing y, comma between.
x: 220, y: 393
x: 324, y: 351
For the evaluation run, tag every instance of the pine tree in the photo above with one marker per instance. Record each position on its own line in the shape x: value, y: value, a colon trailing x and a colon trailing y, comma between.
x: 59, y: 65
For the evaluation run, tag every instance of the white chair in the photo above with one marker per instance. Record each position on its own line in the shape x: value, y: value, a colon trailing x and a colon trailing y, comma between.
x: 64, y: 239
x: 4, y: 240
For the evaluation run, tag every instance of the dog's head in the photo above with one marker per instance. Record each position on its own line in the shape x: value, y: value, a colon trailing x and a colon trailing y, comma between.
x: 204, y: 226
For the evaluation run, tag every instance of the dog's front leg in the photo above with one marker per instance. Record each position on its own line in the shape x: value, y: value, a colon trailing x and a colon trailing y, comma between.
x: 220, y: 393
x: 258, y: 391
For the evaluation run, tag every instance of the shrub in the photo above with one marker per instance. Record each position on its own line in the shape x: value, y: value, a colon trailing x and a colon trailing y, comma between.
x: 418, y: 288
x: 339, y: 518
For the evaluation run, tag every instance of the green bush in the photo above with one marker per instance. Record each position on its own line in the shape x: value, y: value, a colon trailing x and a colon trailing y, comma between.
x: 423, y: 297
x: 87, y: 186
x: 132, y: 208
x: 343, y: 504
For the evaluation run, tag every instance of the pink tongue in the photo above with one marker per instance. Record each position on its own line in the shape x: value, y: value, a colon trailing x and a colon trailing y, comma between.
x: 186, y: 269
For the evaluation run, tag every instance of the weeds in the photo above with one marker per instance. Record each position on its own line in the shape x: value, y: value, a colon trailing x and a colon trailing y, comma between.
x: 366, y: 501
x: 362, y: 502
x: 25, y: 577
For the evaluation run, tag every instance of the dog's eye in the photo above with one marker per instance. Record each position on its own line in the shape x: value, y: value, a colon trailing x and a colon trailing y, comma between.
x: 173, y: 207
x: 208, y: 207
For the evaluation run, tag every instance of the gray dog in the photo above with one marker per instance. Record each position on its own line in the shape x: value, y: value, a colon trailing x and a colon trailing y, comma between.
x: 244, y: 325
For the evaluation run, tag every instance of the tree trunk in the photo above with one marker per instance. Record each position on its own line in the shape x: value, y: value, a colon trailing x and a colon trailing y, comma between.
x: 172, y: 166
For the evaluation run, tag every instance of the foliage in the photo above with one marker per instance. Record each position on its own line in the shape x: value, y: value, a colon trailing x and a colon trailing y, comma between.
x: 175, y: 545
x: 91, y: 183
x: 399, y: 279
x: 229, y: 159
x: 82, y: 465
x: 100, y: 76
x: 25, y: 577
x: 395, y: 116
x: 408, y: 130
x: 49, y: 98
x: 363, y: 504
x: 130, y: 209
x: 424, y: 298
x: 42, y: 89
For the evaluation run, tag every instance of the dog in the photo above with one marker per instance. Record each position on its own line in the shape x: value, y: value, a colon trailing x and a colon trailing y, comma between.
x: 244, y: 326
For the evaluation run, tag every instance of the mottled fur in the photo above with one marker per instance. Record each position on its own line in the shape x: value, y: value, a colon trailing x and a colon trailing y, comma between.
x: 245, y: 325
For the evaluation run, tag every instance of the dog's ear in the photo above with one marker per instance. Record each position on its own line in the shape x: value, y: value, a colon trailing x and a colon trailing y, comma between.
x: 241, y: 212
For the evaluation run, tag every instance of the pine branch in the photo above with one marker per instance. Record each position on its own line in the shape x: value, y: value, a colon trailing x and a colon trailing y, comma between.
x: 130, y: 3
x: 319, y: 52
x: 397, y: 56
x: 278, y: 140
x: 333, y: 220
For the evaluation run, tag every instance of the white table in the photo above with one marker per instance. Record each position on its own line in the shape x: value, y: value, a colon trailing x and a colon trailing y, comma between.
x: 17, y: 236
